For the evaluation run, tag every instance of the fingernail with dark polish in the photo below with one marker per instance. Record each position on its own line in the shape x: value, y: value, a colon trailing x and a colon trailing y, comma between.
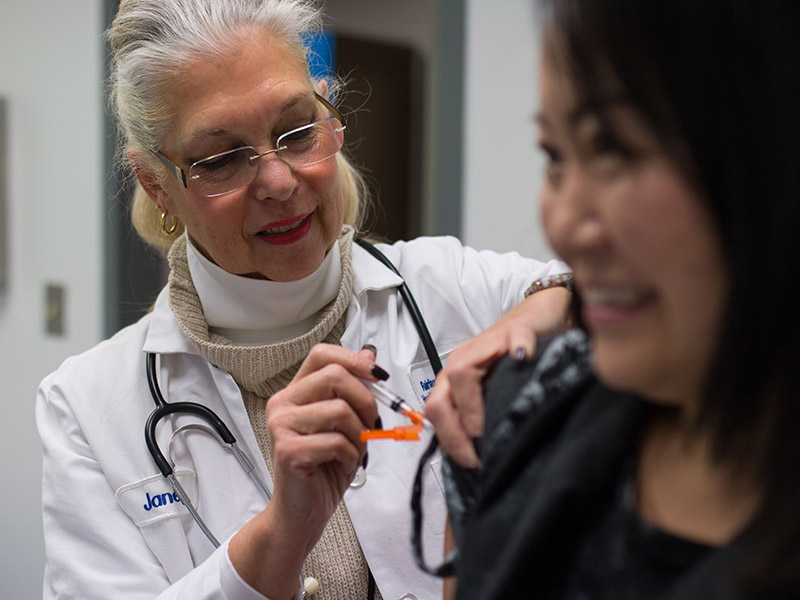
x: 371, y: 348
x: 378, y: 423
x: 519, y: 354
x: 379, y: 373
x: 366, y: 460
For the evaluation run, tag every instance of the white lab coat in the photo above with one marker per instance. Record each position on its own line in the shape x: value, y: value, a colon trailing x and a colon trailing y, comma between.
x: 100, y: 540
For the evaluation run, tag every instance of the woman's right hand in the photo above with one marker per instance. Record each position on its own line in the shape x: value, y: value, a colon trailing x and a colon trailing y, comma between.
x: 314, y: 426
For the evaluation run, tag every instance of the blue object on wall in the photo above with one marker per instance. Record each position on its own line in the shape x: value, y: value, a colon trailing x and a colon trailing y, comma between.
x: 322, y: 54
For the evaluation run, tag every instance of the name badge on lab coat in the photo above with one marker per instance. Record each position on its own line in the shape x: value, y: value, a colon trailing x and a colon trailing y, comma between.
x: 422, y: 378
x: 153, y: 499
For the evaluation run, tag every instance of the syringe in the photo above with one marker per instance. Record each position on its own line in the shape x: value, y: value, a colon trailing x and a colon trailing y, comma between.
x: 387, y: 397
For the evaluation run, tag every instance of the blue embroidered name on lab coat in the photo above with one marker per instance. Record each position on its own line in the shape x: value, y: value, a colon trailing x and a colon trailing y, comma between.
x: 422, y: 378
x: 157, y: 501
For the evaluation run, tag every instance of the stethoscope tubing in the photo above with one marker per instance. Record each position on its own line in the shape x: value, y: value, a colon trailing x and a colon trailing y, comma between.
x: 164, y: 409
x: 416, y: 315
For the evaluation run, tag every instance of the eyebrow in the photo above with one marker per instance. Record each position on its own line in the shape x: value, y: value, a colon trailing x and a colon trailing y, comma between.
x: 594, y: 105
x: 220, y: 131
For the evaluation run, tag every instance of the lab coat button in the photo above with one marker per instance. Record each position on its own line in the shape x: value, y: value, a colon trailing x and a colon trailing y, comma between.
x: 407, y: 596
x: 359, y: 479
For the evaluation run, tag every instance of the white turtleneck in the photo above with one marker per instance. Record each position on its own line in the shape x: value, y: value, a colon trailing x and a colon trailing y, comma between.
x: 258, y: 311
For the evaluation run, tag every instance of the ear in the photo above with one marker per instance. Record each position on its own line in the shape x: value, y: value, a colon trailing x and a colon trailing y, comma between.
x: 322, y: 88
x: 150, y: 181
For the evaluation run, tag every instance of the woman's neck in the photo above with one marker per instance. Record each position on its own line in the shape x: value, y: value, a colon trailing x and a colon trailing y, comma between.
x: 256, y: 311
x: 681, y: 489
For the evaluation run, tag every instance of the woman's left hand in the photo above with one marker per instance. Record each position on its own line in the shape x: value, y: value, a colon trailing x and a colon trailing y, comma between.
x: 455, y: 406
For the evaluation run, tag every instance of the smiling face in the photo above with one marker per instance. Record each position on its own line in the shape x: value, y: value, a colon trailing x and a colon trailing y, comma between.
x: 646, y: 257
x: 282, y: 224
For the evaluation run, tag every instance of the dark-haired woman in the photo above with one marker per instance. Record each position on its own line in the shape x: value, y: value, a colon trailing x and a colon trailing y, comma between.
x: 655, y: 453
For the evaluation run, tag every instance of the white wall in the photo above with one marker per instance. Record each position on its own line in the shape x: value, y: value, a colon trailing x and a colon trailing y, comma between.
x: 501, y: 174
x: 50, y: 75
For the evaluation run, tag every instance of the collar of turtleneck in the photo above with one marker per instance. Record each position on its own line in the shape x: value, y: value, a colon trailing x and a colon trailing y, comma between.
x: 257, y: 311
x: 260, y: 368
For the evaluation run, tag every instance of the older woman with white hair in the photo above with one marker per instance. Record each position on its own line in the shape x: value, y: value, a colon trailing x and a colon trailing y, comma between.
x: 267, y: 332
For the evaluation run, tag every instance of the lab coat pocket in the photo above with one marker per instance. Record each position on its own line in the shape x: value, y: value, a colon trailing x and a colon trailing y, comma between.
x: 152, y: 499
x: 422, y: 378
x: 434, y: 495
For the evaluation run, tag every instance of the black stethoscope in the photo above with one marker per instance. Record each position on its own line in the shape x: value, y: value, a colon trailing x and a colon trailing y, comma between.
x: 215, y: 427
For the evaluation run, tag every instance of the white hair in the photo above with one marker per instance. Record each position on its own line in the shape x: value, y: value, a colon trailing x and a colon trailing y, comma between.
x: 152, y: 41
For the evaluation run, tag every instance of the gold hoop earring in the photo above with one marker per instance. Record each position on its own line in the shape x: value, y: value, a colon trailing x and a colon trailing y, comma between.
x: 171, y: 229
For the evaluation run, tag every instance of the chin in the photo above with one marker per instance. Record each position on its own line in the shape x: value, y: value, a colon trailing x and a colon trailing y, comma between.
x: 646, y: 379
x: 620, y: 368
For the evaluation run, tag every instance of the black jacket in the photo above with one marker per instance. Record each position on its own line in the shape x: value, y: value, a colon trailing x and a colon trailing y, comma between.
x: 554, y: 444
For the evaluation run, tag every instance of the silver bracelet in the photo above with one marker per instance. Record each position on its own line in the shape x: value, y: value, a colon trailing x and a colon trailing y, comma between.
x: 560, y: 280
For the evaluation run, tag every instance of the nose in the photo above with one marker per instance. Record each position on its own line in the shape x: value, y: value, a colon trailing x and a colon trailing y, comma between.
x: 570, y: 214
x: 274, y: 178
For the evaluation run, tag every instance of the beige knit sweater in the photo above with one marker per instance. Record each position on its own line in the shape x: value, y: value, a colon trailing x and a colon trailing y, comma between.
x: 337, y: 560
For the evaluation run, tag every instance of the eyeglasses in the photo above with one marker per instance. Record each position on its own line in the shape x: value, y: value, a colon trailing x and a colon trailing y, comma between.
x: 235, y: 169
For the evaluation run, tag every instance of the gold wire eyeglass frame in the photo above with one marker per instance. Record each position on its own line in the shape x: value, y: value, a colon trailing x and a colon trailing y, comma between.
x: 179, y: 173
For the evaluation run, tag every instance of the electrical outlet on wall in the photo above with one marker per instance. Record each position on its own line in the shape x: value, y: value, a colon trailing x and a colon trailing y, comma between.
x: 55, y: 309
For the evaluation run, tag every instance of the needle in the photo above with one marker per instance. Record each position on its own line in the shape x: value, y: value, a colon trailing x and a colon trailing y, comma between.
x: 387, y: 397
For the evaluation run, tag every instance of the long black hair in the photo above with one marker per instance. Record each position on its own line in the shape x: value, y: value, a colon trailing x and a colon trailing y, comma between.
x: 718, y: 82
